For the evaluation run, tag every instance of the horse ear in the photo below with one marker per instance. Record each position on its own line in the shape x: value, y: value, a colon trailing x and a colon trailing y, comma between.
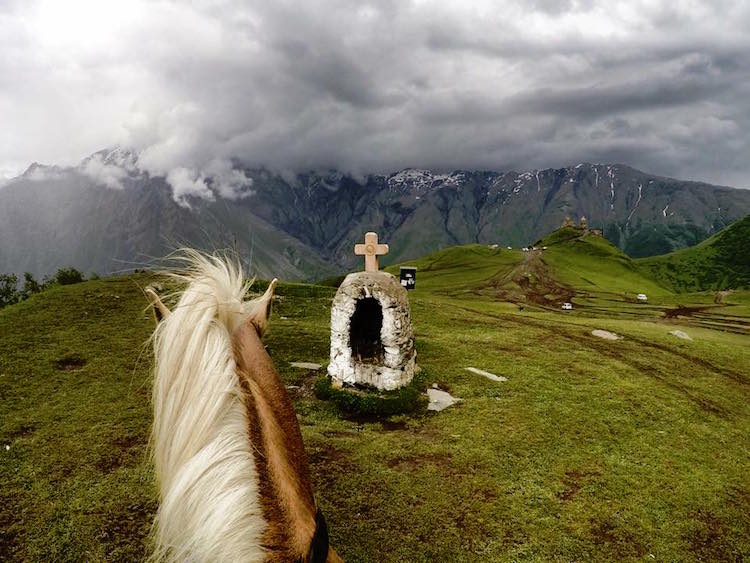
x: 261, y: 309
x: 160, y: 309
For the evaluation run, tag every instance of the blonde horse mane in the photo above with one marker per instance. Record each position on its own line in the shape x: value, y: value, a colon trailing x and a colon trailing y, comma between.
x: 209, y: 506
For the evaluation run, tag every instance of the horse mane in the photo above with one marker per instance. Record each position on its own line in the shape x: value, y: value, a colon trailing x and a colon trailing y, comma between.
x: 210, y: 508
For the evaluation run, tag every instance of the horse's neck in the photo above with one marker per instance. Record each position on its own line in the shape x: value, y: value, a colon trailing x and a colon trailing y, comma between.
x: 282, y: 439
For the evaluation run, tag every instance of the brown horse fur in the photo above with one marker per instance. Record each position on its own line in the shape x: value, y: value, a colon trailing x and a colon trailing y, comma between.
x: 292, y: 527
x: 286, y: 492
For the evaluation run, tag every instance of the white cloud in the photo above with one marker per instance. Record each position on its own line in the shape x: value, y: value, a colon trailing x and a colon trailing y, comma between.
x: 333, y: 84
x: 217, y: 177
x: 109, y: 175
x: 187, y: 183
x: 229, y: 182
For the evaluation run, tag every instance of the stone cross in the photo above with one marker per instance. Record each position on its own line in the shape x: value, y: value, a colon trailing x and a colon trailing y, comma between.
x: 371, y: 250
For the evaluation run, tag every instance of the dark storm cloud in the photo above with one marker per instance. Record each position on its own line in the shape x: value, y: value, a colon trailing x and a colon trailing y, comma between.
x: 378, y: 86
x: 617, y: 99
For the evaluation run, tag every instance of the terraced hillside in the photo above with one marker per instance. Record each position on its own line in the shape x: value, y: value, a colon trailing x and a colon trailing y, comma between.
x: 593, y: 449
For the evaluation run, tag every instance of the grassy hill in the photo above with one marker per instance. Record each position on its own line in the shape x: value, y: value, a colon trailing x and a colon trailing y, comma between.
x: 462, y: 269
x: 591, y: 263
x: 591, y: 450
x: 569, y: 265
x: 718, y: 263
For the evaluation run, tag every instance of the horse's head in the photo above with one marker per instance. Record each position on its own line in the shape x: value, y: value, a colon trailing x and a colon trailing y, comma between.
x: 257, y: 311
x: 210, y: 352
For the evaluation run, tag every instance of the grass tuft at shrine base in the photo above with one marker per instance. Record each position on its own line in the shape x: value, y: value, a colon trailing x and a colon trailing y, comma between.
x: 592, y: 450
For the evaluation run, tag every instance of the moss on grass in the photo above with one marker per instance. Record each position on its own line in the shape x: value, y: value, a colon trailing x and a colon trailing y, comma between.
x: 361, y: 400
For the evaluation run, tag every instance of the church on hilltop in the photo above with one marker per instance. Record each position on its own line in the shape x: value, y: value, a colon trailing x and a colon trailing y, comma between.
x: 583, y: 225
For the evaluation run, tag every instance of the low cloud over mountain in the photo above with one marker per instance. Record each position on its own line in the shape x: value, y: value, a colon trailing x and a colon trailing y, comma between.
x: 304, y: 226
x: 376, y: 87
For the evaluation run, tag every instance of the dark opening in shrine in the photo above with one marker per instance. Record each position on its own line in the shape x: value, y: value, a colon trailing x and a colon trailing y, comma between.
x: 364, y: 332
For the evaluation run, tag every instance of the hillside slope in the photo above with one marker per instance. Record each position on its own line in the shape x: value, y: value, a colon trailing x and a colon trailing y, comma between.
x: 590, y: 450
x: 571, y: 264
x: 592, y: 263
x: 73, y: 222
x: 720, y: 262
x: 462, y: 269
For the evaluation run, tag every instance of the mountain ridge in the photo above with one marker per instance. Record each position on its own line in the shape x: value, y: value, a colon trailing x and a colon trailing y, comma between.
x: 304, y: 226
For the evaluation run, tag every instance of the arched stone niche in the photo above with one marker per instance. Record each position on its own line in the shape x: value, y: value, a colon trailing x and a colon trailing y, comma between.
x: 372, y: 342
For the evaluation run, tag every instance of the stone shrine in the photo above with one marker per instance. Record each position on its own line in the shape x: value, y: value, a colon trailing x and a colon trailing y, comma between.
x: 372, y: 342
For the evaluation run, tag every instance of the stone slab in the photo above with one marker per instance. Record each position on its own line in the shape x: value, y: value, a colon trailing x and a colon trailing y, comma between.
x: 680, y: 334
x: 487, y: 374
x: 440, y: 400
x: 605, y: 334
x: 306, y: 365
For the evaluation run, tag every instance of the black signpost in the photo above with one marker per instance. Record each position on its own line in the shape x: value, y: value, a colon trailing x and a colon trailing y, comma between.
x: 408, y: 277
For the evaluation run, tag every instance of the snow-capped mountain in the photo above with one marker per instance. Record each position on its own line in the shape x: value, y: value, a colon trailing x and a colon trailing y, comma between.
x: 107, y: 214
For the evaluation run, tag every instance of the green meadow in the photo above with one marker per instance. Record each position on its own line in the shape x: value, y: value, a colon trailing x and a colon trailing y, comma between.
x: 635, y: 449
x: 720, y: 262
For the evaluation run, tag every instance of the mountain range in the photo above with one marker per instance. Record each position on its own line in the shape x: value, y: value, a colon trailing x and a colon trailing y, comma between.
x: 304, y: 226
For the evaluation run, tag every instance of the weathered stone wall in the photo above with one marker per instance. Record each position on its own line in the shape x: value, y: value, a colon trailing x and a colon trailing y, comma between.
x: 396, y: 366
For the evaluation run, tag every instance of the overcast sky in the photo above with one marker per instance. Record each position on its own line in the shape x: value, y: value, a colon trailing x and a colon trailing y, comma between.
x: 376, y: 87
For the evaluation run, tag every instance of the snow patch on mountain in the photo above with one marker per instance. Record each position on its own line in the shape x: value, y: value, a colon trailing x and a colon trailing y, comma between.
x: 120, y: 156
x: 521, y: 180
x: 420, y: 180
x: 637, y: 202
x: 611, y: 176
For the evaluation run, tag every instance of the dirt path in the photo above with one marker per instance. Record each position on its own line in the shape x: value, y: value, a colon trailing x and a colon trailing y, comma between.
x: 708, y: 316
x: 531, y: 282
x: 681, y: 311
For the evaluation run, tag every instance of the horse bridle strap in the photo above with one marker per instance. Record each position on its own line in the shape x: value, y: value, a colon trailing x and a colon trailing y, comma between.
x: 319, y: 545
